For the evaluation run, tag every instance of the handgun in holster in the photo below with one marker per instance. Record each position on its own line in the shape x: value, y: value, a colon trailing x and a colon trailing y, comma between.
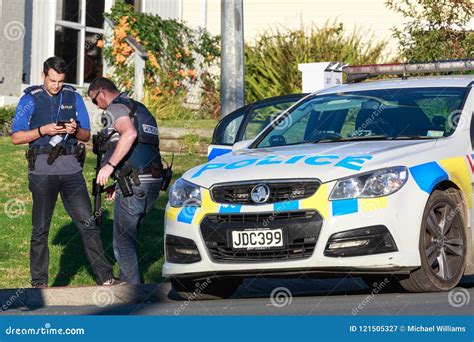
x: 31, y: 156
x: 126, y: 177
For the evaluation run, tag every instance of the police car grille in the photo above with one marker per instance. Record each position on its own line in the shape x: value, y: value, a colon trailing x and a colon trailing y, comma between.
x: 240, y: 193
x: 301, y: 229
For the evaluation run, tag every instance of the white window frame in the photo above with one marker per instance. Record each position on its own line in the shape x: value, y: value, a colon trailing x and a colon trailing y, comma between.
x: 82, y: 28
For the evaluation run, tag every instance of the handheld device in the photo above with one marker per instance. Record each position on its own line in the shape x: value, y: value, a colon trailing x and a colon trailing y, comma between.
x: 62, y: 123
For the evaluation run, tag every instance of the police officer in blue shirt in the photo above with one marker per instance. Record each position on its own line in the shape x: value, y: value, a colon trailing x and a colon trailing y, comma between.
x: 133, y: 157
x: 52, y: 118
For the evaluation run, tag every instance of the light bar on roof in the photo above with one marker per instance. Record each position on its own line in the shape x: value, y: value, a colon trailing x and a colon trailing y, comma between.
x: 361, y: 72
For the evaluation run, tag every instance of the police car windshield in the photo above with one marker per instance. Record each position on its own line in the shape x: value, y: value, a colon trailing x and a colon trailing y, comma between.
x: 383, y: 114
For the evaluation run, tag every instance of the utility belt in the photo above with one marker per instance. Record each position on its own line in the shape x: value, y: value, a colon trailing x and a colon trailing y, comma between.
x: 158, y: 171
x: 79, y: 151
x: 128, y: 176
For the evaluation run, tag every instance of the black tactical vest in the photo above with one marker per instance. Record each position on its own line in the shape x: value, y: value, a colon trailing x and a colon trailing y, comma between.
x: 146, y: 148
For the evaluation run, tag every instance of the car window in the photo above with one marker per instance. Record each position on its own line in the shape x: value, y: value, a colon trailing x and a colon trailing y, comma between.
x: 230, y: 132
x: 260, y: 116
x: 412, y: 113
x: 227, y: 129
x: 248, y: 121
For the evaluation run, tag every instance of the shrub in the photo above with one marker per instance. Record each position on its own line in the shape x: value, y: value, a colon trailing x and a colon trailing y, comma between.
x: 271, y: 64
x: 6, y: 119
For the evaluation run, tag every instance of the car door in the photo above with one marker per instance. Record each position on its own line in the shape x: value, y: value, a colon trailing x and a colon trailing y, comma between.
x: 247, y: 122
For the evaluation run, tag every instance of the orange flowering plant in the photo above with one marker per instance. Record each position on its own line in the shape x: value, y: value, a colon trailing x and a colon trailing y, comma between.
x: 177, y: 54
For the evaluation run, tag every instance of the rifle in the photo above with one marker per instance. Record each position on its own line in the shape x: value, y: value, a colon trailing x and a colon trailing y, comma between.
x: 97, y: 189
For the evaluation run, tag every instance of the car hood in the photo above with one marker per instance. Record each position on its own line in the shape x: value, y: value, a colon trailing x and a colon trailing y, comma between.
x: 323, y: 161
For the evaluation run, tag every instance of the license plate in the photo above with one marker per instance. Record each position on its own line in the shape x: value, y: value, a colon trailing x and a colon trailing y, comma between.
x: 256, y: 239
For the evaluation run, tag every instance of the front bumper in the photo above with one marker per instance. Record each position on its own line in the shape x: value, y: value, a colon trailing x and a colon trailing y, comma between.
x: 400, y: 214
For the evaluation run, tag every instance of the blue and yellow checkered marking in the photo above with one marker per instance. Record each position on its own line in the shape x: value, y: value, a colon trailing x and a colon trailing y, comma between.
x: 285, y: 206
x: 426, y: 176
x: 345, y: 207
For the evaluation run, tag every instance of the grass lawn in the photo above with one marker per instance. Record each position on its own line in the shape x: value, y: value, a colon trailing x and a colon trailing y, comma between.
x: 202, y: 123
x: 68, y: 264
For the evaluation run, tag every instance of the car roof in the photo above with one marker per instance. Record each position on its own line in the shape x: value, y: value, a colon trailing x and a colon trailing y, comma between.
x: 393, y: 83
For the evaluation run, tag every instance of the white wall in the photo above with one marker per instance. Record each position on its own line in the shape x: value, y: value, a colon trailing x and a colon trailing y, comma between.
x: 370, y: 16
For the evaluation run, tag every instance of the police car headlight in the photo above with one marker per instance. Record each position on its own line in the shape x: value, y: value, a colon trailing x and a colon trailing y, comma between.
x: 378, y: 183
x: 184, y: 193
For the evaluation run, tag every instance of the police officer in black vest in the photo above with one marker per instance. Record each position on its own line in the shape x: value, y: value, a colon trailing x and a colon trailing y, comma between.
x: 132, y: 157
x: 52, y: 118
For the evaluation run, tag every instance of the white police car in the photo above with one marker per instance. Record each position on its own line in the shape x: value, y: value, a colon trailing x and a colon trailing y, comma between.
x: 371, y: 178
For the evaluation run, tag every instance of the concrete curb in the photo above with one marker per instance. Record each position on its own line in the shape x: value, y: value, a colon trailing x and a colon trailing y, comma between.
x: 99, y: 296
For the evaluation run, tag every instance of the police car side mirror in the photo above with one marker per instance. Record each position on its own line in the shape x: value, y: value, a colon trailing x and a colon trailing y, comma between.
x: 240, y: 145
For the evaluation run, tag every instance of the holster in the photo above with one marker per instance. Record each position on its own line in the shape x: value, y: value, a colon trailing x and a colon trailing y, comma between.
x: 31, y: 156
x: 126, y: 177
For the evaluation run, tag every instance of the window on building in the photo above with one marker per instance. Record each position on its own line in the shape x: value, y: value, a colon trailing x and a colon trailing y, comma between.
x: 79, y: 25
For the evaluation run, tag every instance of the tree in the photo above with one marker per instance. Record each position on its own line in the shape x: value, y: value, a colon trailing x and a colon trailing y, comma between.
x: 436, y: 30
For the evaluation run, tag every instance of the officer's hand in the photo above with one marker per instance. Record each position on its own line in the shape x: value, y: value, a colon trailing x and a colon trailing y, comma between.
x: 71, y: 127
x: 52, y: 129
x: 104, y: 174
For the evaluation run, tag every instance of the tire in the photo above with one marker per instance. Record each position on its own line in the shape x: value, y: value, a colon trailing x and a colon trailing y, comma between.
x: 442, y: 246
x: 209, y: 289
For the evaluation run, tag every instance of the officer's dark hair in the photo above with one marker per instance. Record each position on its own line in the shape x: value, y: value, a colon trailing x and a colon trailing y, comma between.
x: 56, y: 63
x: 102, y: 83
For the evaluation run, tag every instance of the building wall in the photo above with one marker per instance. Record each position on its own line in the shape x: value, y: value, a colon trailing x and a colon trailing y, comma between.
x: 11, y: 42
x: 371, y: 17
x: 167, y: 9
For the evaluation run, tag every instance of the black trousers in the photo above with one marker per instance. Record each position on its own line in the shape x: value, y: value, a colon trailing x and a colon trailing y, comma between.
x: 73, y: 190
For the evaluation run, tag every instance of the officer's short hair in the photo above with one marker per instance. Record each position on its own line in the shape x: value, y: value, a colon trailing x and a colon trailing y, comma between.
x: 102, y: 83
x: 56, y: 63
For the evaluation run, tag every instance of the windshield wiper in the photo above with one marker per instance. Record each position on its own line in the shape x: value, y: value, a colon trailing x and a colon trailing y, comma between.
x: 341, y: 139
x: 413, y: 137
x: 371, y: 137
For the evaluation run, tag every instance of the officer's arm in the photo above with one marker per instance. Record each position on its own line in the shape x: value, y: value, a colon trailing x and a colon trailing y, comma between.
x: 21, y: 132
x: 128, y: 134
x: 83, y: 134
x: 24, y: 137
